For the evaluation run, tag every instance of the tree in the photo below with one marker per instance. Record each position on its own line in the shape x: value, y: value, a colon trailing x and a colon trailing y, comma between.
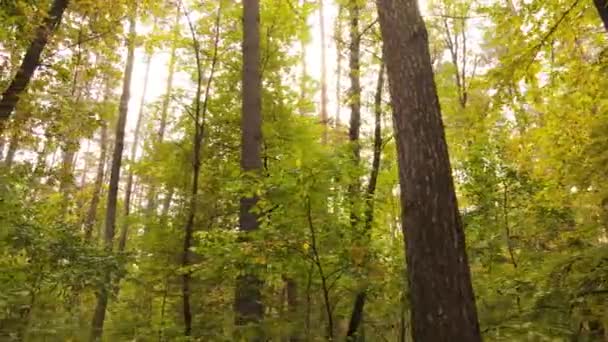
x: 602, y: 9
x: 248, y: 305
x: 31, y: 60
x: 441, y: 294
x: 110, y: 222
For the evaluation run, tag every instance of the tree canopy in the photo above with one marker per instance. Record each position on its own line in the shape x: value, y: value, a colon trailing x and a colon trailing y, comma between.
x: 180, y: 170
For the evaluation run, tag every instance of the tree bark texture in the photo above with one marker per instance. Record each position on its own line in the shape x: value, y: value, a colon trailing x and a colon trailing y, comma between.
x: 441, y: 294
x: 248, y: 305
x: 602, y: 10
x: 31, y: 60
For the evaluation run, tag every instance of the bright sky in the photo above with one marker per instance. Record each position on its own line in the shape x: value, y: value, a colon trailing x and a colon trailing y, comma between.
x: 158, y: 77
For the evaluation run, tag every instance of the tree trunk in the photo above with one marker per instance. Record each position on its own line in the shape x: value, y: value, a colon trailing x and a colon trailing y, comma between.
x: 602, y: 9
x: 31, y: 60
x: 200, y: 113
x: 92, y: 212
x: 355, y: 81
x: 441, y: 294
x: 338, y: 40
x: 122, y: 242
x: 357, y: 315
x: 164, y: 112
x: 110, y: 224
x: 323, y: 71
x: 304, y: 70
x: 248, y: 305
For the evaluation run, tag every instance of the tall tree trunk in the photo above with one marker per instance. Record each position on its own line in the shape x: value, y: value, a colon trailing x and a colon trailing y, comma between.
x: 323, y: 70
x: 304, y: 71
x: 31, y: 60
x: 355, y: 104
x: 110, y: 224
x: 13, y: 144
x: 441, y: 294
x: 164, y: 112
x: 248, y: 305
x: 122, y: 242
x: 200, y: 114
x: 602, y: 9
x: 92, y: 212
x: 167, y: 98
x: 357, y: 314
x: 355, y: 81
x: 291, y: 288
x: 338, y: 40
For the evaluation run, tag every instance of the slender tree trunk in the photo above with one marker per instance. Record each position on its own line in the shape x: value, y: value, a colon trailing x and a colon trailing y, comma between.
x: 357, y: 314
x: 167, y: 98
x: 12, y: 147
x: 441, y: 294
x: 602, y: 10
x: 122, y: 242
x: 31, y: 60
x: 92, y: 212
x: 248, y: 305
x: 355, y: 104
x: 324, y: 118
x: 152, y: 192
x: 338, y: 40
x: 200, y: 114
x: 355, y: 82
x: 304, y: 71
x: 110, y: 224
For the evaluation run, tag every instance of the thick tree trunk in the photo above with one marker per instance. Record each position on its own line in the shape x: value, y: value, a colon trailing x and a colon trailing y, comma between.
x: 110, y: 224
x: 441, y: 294
x: 92, y: 212
x: 602, y: 9
x: 31, y: 60
x: 248, y: 305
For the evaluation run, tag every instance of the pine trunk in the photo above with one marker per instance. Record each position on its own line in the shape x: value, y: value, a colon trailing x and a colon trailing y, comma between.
x: 441, y: 294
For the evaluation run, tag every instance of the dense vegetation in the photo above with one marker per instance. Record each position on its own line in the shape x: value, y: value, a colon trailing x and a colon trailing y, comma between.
x: 251, y: 200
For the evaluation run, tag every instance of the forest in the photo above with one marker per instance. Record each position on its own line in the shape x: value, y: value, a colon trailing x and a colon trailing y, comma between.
x: 304, y: 170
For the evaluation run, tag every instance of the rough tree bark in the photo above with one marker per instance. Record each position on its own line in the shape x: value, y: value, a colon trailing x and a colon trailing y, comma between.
x: 602, y: 10
x: 247, y: 304
x: 110, y: 224
x: 441, y: 294
x: 31, y: 60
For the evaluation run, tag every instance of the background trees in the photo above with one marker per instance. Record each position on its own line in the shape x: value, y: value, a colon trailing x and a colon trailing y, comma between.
x: 521, y: 87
